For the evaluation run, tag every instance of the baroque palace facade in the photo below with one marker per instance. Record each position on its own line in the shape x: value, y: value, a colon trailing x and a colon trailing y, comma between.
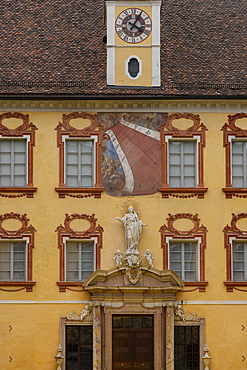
x: 123, y: 185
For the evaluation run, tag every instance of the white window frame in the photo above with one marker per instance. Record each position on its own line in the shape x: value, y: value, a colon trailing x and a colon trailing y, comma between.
x: 24, y: 240
x: 232, y: 139
x: 196, y: 241
x: 232, y: 241
x: 11, y: 139
x: 195, y: 139
x: 65, y: 240
x: 94, y: 139
x: 127, y: 65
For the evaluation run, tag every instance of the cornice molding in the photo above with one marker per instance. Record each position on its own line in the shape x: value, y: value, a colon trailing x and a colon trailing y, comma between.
x: 152, y: 105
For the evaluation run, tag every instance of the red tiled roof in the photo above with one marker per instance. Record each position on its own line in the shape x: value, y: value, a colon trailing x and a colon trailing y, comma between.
x: 56, y: 48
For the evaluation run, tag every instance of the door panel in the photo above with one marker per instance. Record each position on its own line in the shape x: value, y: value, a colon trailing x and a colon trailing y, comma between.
x: 132, y: 347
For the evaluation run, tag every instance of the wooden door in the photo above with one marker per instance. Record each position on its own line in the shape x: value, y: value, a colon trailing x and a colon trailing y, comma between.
x: 132, y: 345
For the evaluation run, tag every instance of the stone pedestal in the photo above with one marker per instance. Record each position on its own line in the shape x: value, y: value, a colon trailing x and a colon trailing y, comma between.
x: 169, y: 337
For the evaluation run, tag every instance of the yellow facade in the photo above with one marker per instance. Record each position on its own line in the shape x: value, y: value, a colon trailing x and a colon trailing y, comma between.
x: 29, y: 321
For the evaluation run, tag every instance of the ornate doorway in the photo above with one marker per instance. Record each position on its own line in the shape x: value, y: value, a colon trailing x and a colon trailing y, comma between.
x: 132, y: 342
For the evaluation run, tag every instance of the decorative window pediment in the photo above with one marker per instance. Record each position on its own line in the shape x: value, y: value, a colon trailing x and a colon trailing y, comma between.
x: 74, y: 242
x: 16, y: 150
x: 182, y: 153
x: 79, y: 157
x: 235, y: 240
x: 190, y: 244
x: 235, y: 144
x: 16, y: 249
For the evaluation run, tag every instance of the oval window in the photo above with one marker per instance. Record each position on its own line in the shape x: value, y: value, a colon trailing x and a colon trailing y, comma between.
x: 133, y: 67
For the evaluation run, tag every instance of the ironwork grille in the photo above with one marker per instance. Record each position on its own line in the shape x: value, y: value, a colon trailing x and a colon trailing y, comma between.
x: 186, y: 348
x: 79, y: 347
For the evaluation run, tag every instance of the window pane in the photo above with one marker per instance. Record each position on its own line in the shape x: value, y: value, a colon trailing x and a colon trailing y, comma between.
x: 238, y: 257
x: 13, y: 163
x: 182, y: 164
x: 133, y: 67
x: 80, y: 260
x: 238, y: 164
x: 12, y: 261
x: 183, y: 260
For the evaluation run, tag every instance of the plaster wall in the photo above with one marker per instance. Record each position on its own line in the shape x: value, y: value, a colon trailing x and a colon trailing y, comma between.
x: 34, y: 338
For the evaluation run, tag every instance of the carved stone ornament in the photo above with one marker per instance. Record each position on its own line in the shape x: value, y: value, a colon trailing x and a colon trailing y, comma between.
x: 169, y: 232
x: 149, y: 257
x: 206, y: 358
x: 59, y: 358
x: 94, y: 231
x: 118, y: 257
x: 86, y: 311
x: 134, y: 274
x: 97, y: 303
x: 169, y: 130
x: 179, y: 312
x: 192, y: 317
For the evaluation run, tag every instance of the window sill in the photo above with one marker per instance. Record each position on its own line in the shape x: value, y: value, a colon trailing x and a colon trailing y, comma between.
x: 28, y: 191
x: 183, y: 192
x: 201, y: 285
x: 64, y: 284
x: 96, y: 192
x: 237, y: 192
x: 28, y: 285
x: 230, y: 285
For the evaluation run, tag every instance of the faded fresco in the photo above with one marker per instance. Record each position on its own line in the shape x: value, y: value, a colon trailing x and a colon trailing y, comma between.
x: 131, y: 153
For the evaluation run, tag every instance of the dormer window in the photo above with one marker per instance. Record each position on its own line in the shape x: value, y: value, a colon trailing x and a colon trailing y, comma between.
x: 133, y: 67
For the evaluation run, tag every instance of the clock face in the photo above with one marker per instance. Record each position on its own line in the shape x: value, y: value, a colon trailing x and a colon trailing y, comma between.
x: 133, y: 25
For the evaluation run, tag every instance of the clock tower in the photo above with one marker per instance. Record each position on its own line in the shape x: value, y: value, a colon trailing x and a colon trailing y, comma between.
x: 133, y: 43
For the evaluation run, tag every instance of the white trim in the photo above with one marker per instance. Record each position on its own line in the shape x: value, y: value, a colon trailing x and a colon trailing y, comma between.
x: 145, y: 131
x: 110, y: 24
x: 127, y: 69
x: 156, y: 44
x: 215, y: 302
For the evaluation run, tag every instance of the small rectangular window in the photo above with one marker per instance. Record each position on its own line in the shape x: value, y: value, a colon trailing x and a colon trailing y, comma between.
x: 79, y: 163
x: 183, y: 260
x: 239, y: 261
x: 12, y: 261
x: 182, y: 164
x: 79, y: 347
x: 239, y: 164
x: 186, y: 348
x: 79, y: 260
x: 13, y: 168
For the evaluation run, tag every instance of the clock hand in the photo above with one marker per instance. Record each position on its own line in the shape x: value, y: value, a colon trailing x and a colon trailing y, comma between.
x: 137, y: 19
x: 139, y: 28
